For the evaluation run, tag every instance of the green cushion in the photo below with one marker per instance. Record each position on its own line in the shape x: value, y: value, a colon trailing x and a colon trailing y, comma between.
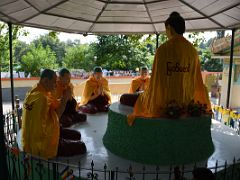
x: 159, y: 141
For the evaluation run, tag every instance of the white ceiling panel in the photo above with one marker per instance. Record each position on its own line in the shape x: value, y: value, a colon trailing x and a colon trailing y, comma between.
x: 120, y: 16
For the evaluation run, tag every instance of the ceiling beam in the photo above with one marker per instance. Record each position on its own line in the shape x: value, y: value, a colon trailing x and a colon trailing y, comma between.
x: 30, y: 4
x: 59, y: 29
x: 132, y: 2
x: 150, y: 17
x: 11, y: 19
x: 98, y: 16
x: 223, y: 10
x: 4, y: 4
x: 113, y: 22
x: 42, y: 11
x: 195, y: 9
x: 72, y: 18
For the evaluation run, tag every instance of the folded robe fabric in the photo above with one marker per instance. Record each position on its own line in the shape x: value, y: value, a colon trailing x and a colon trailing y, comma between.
x: 176, y: 76
x: 91, y: 87
x: 40, y: 123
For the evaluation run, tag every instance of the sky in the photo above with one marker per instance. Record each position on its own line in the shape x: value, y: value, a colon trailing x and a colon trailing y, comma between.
x: 34, y: 33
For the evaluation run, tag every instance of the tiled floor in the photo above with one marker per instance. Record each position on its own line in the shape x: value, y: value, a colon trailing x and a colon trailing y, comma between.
x: 226, y: 141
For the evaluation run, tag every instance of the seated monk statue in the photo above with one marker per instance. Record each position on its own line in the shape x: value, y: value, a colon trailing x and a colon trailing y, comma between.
x: 138, y: 85
x: 70, y: 115
x: 41, y: 132
x: 96, y: 94
x: 176, y: 78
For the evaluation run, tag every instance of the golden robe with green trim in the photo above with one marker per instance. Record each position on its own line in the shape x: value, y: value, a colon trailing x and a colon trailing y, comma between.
x: 176, y: 76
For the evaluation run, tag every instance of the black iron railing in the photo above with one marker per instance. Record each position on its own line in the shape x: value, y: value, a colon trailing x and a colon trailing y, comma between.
x: 22, y: 166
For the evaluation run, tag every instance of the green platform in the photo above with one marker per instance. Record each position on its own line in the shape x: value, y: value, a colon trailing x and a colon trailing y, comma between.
x: 158, y: 141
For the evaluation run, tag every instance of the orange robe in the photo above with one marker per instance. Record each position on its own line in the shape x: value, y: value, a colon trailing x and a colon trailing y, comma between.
x: 40, y: 123
x: 91, y: 87
x: 176, y: 76
x: 137, y: 83
x: 60, y: 88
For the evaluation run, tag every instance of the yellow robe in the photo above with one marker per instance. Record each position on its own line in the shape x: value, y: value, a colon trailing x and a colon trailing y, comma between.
x: 91, y: 87
x: 216, y: 107
x: 60, y: 88
x: 233, y: 114
x: 220, y: 109
x: 40, y: 124
x: 226, y: 116
x: 176, y: 76
x: 137, y: 82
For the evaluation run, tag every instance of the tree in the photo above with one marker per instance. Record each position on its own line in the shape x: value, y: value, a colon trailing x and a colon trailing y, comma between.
x: 70, y: 43
x: 120, y: 52
x: 79, y: 57
x: 52, y: 41
x: 213, y: 65
x: 4, y: 42
x: 21, y: 48
x: 196, y: 38
x: 209, y: 64
x: 205, y: 55
x: 38, y: 58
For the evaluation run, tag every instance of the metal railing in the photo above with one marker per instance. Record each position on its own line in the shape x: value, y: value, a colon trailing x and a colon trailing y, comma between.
x: 23, y: 166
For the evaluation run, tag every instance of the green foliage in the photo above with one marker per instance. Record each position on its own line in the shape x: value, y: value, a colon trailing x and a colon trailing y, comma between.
x: 52, y: 41
x: 4, y: 43
x: 112, y: 52
x: 53, y: 34
x: 38, y: 58
x: 214, y: 65
x: 4, y: 54
x: 79, y: 57
x: 121, y: 52
x: 196, y: 38
x: 20, y: 49
x: 162, y: 38
x: 209, y: 64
